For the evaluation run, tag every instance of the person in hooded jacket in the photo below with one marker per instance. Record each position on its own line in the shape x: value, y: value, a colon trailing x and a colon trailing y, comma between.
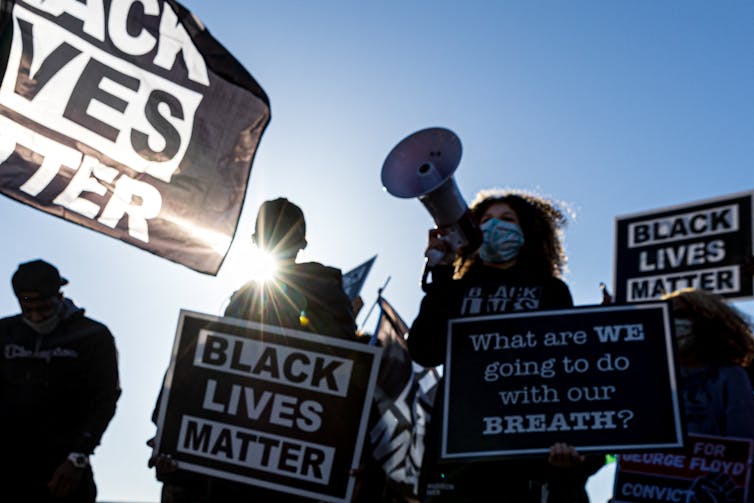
x: 517, y: 268
x: 58, y: 391
x: 303, y: 296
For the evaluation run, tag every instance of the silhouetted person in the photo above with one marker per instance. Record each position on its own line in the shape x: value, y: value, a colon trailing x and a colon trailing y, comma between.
x: 517, y: 268
x: 303, y: 296
x: 58, y: 390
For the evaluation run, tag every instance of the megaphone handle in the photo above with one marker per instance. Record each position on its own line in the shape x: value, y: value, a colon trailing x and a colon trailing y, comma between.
x: 439, y: 249
x: 455, y: 239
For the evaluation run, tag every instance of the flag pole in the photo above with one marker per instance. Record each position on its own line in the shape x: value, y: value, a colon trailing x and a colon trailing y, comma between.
x: 379, y: 296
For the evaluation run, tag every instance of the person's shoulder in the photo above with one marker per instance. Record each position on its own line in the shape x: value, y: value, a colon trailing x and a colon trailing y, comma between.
x: 558, y: 283
x: 321, y: 270
x: 733, y: 372
x: 14, y: 318
x: 8, y: 322
x: 558, y: 293
x: 319, y: 282
x: 92, y: 326
x: 239, y: 300
x: 247, y: 288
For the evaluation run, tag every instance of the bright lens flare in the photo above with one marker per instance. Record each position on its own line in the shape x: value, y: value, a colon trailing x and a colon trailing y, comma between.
x: 263, y: 265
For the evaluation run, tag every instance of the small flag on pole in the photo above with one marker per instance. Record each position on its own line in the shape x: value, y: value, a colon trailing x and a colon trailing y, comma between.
x: 354, y: 279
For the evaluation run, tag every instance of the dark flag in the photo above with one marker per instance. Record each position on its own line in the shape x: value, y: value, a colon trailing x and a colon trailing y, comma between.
x: 354, y: 279
x: 133, y: 122
x: 404, y: 397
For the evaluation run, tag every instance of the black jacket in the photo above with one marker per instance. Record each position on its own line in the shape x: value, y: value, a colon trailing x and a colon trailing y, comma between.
x: 309, y: 289
x: 482, y: 291
x: 57, y: 391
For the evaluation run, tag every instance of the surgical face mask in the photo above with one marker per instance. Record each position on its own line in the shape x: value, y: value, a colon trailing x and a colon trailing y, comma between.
x: 502, y: 241
x: 683, y: 333
x: 44, y: 327
x: 47, y: 325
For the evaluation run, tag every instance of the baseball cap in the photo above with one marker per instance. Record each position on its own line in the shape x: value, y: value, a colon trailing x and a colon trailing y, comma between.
x: 37, y: 276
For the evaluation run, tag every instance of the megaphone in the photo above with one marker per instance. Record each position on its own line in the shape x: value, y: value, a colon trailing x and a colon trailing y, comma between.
x: 422, y: 165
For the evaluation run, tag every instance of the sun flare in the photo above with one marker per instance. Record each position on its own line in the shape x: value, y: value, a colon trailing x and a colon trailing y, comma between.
x: 263, y: 265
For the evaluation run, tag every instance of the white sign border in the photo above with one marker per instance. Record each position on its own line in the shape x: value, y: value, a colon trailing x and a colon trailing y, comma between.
x: 321, y: 339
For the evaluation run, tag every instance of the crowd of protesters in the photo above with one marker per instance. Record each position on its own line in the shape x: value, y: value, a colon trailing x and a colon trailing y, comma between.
x: 59, y: 372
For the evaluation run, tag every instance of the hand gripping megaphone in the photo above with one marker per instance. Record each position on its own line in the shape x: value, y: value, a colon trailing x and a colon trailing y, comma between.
x: 422, y: 166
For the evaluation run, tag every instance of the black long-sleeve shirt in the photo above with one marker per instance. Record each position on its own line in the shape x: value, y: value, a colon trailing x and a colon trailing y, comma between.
x: 482, y: 291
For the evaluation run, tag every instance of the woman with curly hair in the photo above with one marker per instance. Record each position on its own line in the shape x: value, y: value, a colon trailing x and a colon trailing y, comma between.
x: 517, y: 268
x: 714, y: 343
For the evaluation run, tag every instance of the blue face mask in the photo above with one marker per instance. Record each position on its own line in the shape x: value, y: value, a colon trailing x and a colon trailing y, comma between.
x: 502, y: 241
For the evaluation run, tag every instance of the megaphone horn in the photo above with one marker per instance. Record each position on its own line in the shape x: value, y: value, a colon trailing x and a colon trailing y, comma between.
x: 422, y: 165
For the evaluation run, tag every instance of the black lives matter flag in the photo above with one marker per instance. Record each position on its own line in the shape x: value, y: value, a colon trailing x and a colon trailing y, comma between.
x: 128, y: 118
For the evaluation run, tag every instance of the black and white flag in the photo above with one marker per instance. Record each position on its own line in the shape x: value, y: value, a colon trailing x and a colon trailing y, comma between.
x: 129, y: 118
x: 404, y: 398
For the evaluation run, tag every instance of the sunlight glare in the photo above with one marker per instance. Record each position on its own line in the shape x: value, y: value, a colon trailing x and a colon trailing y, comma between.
x: 263, y: 265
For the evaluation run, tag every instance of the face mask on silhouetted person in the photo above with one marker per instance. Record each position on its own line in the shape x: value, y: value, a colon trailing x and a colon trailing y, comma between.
x: 502, y: 241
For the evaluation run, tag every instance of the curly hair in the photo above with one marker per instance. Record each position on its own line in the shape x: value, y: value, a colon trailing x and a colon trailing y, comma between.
x: 542, y: 223
x: 722, y: 333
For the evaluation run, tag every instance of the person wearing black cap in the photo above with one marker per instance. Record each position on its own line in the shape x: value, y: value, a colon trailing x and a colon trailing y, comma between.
x: 58, y: 390
x: 304, y: 296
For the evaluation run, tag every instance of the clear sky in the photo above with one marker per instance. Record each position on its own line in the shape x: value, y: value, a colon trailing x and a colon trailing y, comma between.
x: 613, y: 107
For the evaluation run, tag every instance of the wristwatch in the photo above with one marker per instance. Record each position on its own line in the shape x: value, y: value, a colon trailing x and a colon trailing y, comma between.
x: 78, y: 459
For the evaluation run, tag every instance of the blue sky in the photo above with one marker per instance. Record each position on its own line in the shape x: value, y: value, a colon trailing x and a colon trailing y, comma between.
x: 612, y: 107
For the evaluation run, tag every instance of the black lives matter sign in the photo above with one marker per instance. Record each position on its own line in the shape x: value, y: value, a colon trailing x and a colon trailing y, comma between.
x: 266, y: 406
x: 601, y: 379
x: 705, y: 245
x: 128, y: 118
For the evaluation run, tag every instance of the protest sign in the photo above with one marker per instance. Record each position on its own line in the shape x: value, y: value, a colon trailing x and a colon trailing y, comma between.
x: 267, y: 406
x: 130, y: 119
x: 598, y: 378
x: 709, y: 468
x: 705, y: 244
